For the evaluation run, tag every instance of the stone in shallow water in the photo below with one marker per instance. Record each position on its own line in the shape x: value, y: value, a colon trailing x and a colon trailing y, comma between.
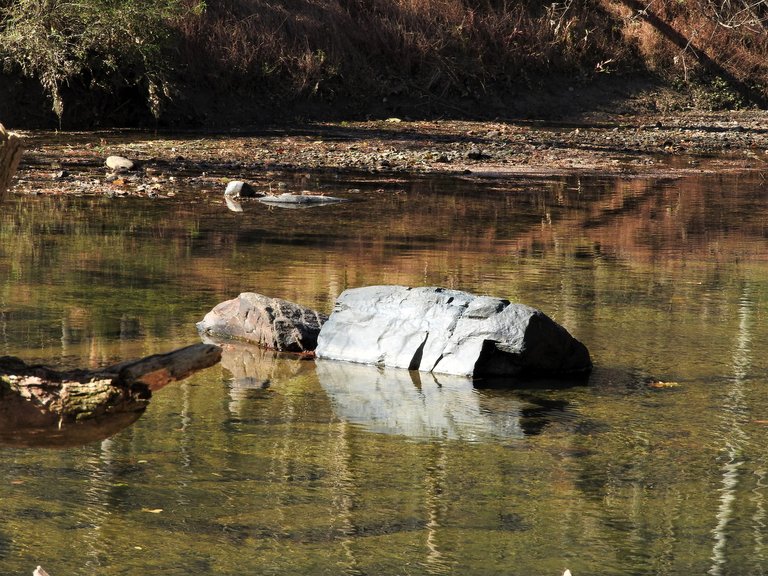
x: 267, y: 322
x: 118, y: 163
x: 301, y: 199
x: 240, y: 189
x: 449, y: 332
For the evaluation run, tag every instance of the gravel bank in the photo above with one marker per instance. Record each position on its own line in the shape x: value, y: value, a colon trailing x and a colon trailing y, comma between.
x: 663, y: 145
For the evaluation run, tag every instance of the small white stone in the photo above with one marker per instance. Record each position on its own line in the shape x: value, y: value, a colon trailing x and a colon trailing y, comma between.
x: 119, y: 163
x: 237, y: 188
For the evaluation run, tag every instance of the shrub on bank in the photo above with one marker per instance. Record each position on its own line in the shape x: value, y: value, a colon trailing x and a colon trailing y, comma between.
x: 103, y: 45
x: 421, y: 51
x: 146, y: 54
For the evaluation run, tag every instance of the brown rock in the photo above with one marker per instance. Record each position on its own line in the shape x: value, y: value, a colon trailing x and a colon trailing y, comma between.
x: 267, y: 322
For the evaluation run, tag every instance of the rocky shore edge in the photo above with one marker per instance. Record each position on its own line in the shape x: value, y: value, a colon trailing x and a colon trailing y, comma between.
x: 661, y: 145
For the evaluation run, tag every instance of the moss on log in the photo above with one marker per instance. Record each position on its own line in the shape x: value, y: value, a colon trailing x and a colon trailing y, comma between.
x: 43, y: 406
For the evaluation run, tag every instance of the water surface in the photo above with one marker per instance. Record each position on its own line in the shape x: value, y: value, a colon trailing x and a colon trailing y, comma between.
x: 274, y: 465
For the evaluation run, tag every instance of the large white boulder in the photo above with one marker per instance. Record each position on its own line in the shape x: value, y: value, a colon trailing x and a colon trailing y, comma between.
x: 118, y: 163
x: 448, y: 332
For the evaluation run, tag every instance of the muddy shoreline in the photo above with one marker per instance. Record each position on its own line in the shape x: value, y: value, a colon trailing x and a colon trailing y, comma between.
x: 629, y: 146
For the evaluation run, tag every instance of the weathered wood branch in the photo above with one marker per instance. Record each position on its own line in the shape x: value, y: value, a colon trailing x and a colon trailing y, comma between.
x: 10, y: 155
x: 158, y: 370
x: 42, y: 406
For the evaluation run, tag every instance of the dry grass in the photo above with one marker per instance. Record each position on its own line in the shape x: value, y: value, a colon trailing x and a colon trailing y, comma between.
x: 438, y: 55
x: 440, y: 48
x: 722, y: 47
x: 448, y: 50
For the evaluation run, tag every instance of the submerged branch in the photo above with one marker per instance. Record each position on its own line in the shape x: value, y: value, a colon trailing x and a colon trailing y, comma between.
x: 40, y: 405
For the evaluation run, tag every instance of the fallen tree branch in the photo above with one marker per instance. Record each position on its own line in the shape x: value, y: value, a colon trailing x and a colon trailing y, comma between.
x: 40, y: 405
x: 158, y: 370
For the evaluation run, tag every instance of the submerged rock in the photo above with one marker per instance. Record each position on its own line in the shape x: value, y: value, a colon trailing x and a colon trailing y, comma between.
x: 301, y: 199
x: 267, y: 322
x: 449, y: 332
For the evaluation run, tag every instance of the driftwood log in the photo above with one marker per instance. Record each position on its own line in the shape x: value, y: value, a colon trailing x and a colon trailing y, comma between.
x: 10, y: 154
x: 40, y: 406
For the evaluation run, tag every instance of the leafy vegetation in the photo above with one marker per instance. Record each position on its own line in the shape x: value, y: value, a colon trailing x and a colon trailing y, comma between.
x: 105, y: 44
x: 429, y: 55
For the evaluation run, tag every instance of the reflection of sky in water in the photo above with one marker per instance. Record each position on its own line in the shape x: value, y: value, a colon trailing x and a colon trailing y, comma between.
x: 420, y: 405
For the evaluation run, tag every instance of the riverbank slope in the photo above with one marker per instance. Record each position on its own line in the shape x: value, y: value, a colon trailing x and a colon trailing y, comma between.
x: 238, y: 63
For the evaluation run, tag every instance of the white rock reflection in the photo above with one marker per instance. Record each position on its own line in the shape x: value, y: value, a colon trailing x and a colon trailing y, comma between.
x: 395, y: 401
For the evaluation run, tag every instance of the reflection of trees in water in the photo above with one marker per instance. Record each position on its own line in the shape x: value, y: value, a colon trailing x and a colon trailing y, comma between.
x: 435, y: 489
x: 96, y: 508
x: 643, y: 270
x: 371, y: 487
x: 641, y: 221
x: 343, y: 501
x: 685, y: 480
x: 733, y: 420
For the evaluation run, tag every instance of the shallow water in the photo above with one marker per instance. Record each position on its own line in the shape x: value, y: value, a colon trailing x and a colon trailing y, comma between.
x: 269, y: 465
